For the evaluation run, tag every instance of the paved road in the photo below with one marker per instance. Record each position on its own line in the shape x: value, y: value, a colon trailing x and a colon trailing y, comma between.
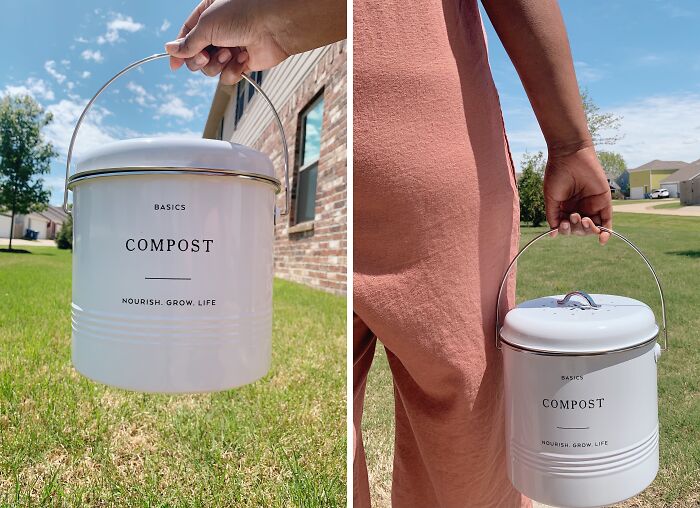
x: 693, y: 211
x: 17, y: 242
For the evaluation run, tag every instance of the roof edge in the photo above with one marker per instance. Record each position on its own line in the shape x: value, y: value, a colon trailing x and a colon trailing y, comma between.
x: 219, y: 102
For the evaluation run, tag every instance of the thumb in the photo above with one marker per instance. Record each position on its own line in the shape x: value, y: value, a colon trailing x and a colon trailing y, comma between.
x: 190, y: 45
x: 551, y: 208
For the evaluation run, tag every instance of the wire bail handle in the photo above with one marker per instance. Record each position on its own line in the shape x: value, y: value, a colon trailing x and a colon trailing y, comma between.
x: 278, y: 121
x: 614, y: 233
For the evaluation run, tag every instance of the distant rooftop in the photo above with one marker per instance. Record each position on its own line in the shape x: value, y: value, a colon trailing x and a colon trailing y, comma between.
x: 657, y: 164
x: 54, y: 214
x: 688, y: 172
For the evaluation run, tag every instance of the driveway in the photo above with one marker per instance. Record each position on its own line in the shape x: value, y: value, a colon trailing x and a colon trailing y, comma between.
x: 692, y: 211
x: 17, y: 242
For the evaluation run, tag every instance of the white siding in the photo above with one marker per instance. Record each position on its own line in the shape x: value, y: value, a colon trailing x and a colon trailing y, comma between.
x: 38, y: 223
x: 4, y: 226
x: 279, y: 84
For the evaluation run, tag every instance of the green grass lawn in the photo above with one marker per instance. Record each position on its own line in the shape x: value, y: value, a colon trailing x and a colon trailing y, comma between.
x: 669, y: 206
x: 616, y: 202
x: 554, y: 266
x: 67, y: 441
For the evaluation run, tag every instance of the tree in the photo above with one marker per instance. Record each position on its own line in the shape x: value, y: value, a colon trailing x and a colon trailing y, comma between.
x: 613, y: 164
x: 530, y: 188
x: 64, y: 238
x: 604, y: 127
x: 23, y: 155
x: 600, y: 125
x: 616, y: 169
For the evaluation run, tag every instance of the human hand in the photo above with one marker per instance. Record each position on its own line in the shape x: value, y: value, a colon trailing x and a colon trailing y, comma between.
x: 577, y: 194
x: 242, y: 32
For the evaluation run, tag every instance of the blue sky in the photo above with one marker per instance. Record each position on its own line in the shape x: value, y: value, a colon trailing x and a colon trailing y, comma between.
x: 62, y: 52
x: 638, y: 59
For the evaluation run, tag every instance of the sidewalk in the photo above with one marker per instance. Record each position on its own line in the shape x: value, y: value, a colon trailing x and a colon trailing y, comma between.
x: 17, y: 242
x: 693, y: 211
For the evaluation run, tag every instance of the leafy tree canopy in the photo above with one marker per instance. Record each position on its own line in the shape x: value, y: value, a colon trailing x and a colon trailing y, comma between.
x: 23, y: 156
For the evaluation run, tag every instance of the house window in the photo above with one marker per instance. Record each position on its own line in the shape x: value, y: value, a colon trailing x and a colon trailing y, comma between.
x: 309, y: 152
x: 257, y: 77
x: 244, y: 93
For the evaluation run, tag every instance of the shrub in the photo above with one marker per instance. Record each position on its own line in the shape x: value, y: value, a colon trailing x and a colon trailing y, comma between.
x: 530, y: 188
x: 64, y: 238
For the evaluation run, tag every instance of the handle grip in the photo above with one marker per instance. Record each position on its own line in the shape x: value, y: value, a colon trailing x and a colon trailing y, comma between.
x: 285, y: 154
x: 582, y: 294
x: 614, y: 233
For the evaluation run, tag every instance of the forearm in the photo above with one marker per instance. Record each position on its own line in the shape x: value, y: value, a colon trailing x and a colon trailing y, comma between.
x: 302, y: 25
x: 533, y: 34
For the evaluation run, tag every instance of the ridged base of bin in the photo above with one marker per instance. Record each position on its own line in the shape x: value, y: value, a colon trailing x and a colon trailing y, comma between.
x: 209, y: 355
x: 588, y: 481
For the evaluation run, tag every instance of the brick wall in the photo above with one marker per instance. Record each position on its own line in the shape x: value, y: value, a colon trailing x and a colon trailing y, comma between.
x: 316, y: 257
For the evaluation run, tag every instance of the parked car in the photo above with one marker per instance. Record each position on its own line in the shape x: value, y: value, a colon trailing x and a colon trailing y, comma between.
x: 659, y: 193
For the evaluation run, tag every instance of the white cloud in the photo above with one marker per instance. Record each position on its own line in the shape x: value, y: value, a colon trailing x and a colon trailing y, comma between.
x: 65, y: 63
x: 665, y: 127
x: 165, y: 87
x: 88, y: 54
x: 70, y: 85
x: 200, y: 86
x: 174, y: 106
x: 164, y: 26
x: 50, y: 66
x: 141, y: 96
x: 660, y: 127
x: 93, y: 132
x: 119, y: 23
x: 650, y: 59
x: 34, y: 87
x: 675, y: 11
x: 82, y: 40
x: 55, y: 184
x: 587, y: 73
x: 85, y: 74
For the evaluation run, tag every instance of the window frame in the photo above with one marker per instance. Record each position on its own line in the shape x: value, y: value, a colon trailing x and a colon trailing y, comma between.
x: 302, y: 167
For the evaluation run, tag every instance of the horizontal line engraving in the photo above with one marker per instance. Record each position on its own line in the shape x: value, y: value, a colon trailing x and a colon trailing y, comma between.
x: 168, y: 278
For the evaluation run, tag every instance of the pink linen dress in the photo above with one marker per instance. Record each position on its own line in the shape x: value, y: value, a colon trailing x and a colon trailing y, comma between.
x: 435, y: 225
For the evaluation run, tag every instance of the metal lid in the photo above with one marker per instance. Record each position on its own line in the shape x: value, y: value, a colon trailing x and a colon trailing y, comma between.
x: 173, y: 153
x: 559, y: 324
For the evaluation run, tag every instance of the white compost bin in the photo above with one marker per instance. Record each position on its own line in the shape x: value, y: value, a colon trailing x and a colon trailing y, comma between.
x: 581, y: 406
x: 172, y: 262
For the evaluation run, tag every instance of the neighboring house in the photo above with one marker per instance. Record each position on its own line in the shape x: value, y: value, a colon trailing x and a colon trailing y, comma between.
x: 615, y: 189
x: 690, y: 189
x: 673, y: 181
x: 648, y: 177
x: 48, y: 223
x: 309, y: 91
x: 5, y: 219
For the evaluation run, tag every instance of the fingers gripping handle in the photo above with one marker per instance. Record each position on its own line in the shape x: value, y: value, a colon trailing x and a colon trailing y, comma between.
x: 285, y: 152
x: 618, y: 235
